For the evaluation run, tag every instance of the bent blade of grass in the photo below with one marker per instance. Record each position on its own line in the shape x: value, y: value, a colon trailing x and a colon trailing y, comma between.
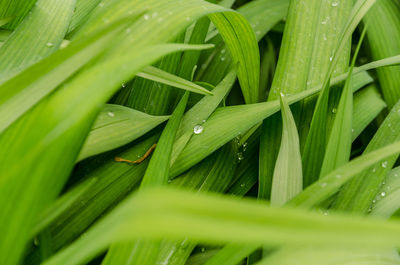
x: 242, y: 44
x: 213, y: 218
x: 287, y: 181
x: 115, y: 126
x: 158, y: 75
x: 39, y: 35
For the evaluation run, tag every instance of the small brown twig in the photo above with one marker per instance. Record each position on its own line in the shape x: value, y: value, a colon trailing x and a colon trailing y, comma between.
x: 138, y: 161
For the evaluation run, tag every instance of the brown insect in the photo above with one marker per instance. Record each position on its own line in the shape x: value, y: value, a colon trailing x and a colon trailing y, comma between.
x: 138, y: 161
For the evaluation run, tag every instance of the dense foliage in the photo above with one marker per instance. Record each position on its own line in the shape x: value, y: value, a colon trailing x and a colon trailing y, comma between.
x: 199, y: 132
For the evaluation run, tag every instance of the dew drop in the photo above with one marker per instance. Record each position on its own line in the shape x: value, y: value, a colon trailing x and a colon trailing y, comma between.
x: 240, y: 156
x: 146, y: 17
x: 223, y: 58
x: 198, y: 129
x: 383, y: 193
x: 334, y: 110
x: 49, y: 44
x: 323, y: 185
x: 223, y: 51
x: 203, y: 250
x: 111, y: 114
x: 338, y: 176
x: 373, y: 170
x: 384, y: 164
x: 242, y: 185
x: 334, y: 4
x: 36, y: 241
x: 331, y: 58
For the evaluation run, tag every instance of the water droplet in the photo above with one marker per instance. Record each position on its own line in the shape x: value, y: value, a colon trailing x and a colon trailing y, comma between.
x: 383, y: 193
x: 325, y: 213
x: 334, y: 4
x: 49, y: 44
x: 223, y: 51
x: 146, y: 17
x: 242, y: 185
x: 338, y: 176
x: 101, y: 5
x: 36, y: 241
x: 373, y: 170
x: 111, y: 114
x: 240, y: 156
x: 198, y: 129
x: 203, y: 121
x: 258, y: 32
x: 223, y: 58
x: 334, y: 110
x: 123, y: 85
x: 323, y: 184
x: 282, y: 95
x: 352, y: 130
x: 188, y: 18
x: 331, y: 58
x: 373, y: 201
x: 384, y: 164
x: 203, y: 250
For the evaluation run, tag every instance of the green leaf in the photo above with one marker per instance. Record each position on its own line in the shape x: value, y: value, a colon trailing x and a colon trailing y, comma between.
x: 22, y: 92
x: 358, y: 194
x: 155, y: 213
x: 115, y: 126
x: 387, y: 200
x: 331, y: 256
x: 324, y: 188
x: 39, y: 35
x: 199, y: 113
x: 339, y: 145
x: 242, y: 44
x: 287, y: 181
x: 231, y: 254
x: 367, y: 105
x: 107, y: 182
x: 383, y: 36
x: 161, y: 76
x: 16, y: 9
